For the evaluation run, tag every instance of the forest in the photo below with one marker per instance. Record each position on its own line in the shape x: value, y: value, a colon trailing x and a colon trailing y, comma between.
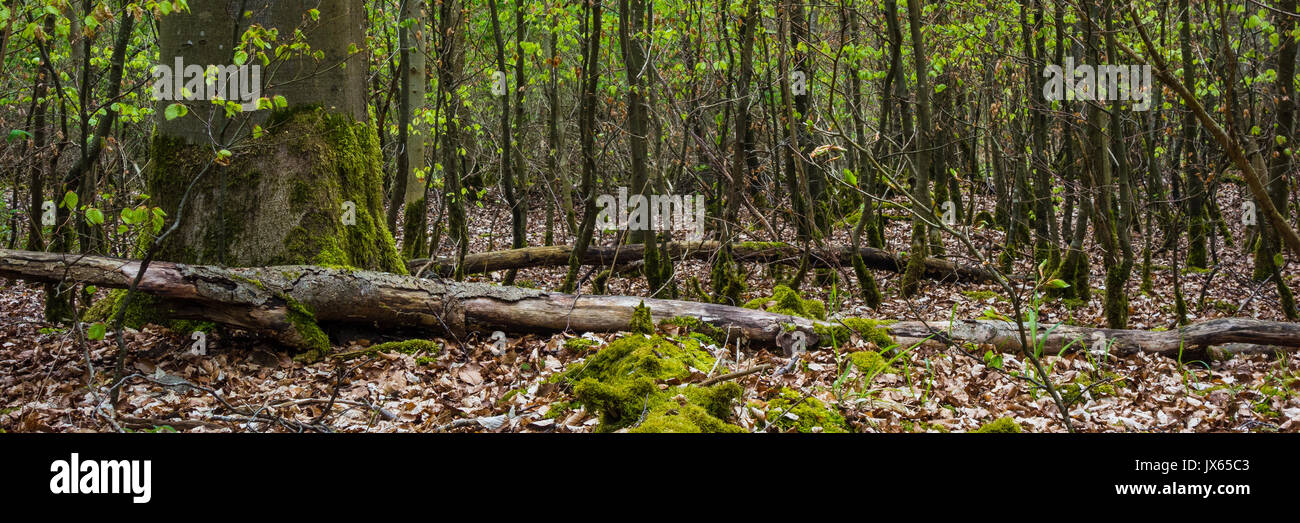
x: 582, y: 216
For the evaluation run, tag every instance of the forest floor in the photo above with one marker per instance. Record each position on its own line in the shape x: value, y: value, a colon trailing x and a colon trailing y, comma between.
x: 472, y: 387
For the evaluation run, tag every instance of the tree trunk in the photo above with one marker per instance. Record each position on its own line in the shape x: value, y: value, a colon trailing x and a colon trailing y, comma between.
x: 309, y: 190
x: 414, y: 222
x: 277, y: 302
x: 921, y: 170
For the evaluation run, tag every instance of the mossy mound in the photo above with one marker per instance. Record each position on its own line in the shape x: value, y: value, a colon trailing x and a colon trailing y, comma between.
x: 785, y: 300
x: 871, y: 362
x: 641, y: 323
x: 622, y: 384
x: 869, y: 329
x: 579, y: 345
x: 1000, y: 425
x: 411, y: 347
x: 810, y: 412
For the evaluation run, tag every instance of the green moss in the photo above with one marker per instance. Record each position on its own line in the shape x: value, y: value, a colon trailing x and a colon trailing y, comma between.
x: 314, y: 341
x: 1223, y: 306
x: 983, y: 295
x: 785, y: 300
x: 1074, y: 303
x: 759, y: 246
x: 319, y: 159
x: 641, y: 321
x: 696, y: 328
x: 811, y: 412
x: 138, y: 314
x: 621, y: 383
x: 689, y: 418
x: 411, y: 347
x: 871, y: 362
x: 579, y: 345
x: 869, y: 329
x: 1265, y: 407
x: 505, y: 398
x: 1070, y: 392
x: 426, y: 360
x: 1000, y: 425
x: 144, y: 309
x: 558, y: 409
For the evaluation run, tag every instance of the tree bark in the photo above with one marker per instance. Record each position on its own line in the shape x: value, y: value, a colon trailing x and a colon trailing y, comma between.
x: 309, y: 190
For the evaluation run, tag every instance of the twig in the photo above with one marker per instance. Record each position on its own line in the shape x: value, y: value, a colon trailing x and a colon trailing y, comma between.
x: 734, y: 375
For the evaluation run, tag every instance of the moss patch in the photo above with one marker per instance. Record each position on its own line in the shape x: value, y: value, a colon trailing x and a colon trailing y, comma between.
x: 785, y: 300
x: 579, y: 345
x: 869, y: 329
x: 871, y: 362
x: 641, y: 321
x: 1070, y: 392
x: 314, y: 340
x: 622, y: 384
x: 786, y: 411
x: 983, y: 295
x: 693, y: 327
x: 1000, y: 425
x: 144, y: 309
x: 281, y: 200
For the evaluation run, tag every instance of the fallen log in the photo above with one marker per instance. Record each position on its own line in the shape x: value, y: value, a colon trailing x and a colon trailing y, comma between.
x: 288, y: 304
x: 754, y: 252
x: 1229, y: 334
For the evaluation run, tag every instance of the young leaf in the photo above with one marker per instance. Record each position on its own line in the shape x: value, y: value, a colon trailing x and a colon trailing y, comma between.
x: 175, y: 111
x: 96, y: 331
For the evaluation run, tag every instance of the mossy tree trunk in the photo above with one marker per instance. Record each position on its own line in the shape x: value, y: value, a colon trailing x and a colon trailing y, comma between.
x: 309, y: 188
x: 867, y: 286
x: 921, y: 188
x: 509, y: 185
x: 635, y: 43
x: 412, y: 158
x: 1270, y: 245
x: 591, y: 29
x: 725, y: 275
x: 1195, y: 185
x: 451, y: 63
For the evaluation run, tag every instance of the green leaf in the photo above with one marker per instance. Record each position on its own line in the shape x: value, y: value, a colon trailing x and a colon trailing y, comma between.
x: 19, y: 134
x: 1057, y: 284
x: 70, y: 200
x: 175, y: 111
x: 240, y: 57
x: 281, y: 102
x: 96, y: 331
x: 94, y: 216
